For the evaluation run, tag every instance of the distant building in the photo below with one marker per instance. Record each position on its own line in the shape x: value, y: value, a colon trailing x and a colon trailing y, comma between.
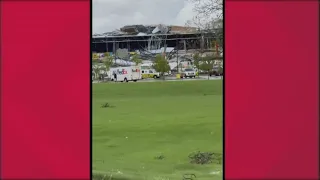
x: 151, y: 37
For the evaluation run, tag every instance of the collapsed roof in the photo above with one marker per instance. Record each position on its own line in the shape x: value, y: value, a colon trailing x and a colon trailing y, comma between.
x: 141, y: 30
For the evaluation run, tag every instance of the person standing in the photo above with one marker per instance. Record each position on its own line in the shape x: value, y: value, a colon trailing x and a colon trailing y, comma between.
x: 115, y: 76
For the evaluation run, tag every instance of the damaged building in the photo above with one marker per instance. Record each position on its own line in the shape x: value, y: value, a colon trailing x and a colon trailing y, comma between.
x: 151, y: 37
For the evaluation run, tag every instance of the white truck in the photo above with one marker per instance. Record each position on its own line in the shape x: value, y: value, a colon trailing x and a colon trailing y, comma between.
x: 125, y: 74
x: 189, y: 73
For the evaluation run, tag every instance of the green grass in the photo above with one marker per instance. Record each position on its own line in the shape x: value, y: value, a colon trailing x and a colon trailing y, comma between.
x: 172, y: 119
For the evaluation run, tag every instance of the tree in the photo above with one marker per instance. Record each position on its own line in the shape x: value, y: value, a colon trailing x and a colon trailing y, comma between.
x: 95, y: 61
x: 209, y: 20
x: 197, y: 59
x: 108, y: 62
x: 207, y: 64
x: 212, y: 9
x: 96, y: 71
x: 161, y: 65
x: 136, y: 59
x: 220, y: 70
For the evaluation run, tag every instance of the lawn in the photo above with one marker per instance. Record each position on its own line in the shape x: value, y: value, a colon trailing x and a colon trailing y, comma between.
x: 157, y: 119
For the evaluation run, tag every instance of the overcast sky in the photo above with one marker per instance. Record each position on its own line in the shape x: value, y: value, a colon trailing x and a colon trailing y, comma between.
x: 109, y: 15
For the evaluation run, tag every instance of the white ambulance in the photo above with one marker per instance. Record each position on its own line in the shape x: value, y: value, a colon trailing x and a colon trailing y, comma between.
x: 125, y: 74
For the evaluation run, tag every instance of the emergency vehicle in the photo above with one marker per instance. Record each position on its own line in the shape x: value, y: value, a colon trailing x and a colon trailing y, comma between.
x: 149, y: 73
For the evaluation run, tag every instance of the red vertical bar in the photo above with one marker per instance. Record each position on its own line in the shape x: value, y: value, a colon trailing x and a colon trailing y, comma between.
x: 45, y: 89
x: 271, y: 89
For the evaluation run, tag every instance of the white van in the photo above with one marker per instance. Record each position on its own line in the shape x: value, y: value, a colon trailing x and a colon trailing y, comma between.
x: 125, y: 74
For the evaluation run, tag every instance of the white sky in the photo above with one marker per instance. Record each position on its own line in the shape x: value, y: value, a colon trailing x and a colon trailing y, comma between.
x: 109, y: 15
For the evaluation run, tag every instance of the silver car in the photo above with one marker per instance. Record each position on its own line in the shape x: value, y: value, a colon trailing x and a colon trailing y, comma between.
x: 191, y: 73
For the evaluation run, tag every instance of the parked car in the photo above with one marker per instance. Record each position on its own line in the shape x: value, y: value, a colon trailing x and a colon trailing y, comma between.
x: 188, y: 73
x: 216, y: 71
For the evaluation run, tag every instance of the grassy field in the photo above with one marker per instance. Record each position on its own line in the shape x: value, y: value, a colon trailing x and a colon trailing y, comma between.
x: 148, y: 120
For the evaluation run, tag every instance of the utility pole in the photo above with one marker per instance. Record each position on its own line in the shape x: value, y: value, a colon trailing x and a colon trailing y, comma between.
x: 107, y: 50
x: 177, y: 49
x: 114, y: 48
x: 185, y: 46
x: 165, y: 46
x: 202, y: 42
x: 128, y: 45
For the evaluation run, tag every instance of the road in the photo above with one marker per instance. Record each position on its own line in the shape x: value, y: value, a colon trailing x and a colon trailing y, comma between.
x: 184, y: 79
x: 175, y: 79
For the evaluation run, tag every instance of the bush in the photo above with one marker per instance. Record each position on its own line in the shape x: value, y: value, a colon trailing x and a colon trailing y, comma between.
x: 205, y: 158
x: 106, y: 105
x: 160, y: 157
